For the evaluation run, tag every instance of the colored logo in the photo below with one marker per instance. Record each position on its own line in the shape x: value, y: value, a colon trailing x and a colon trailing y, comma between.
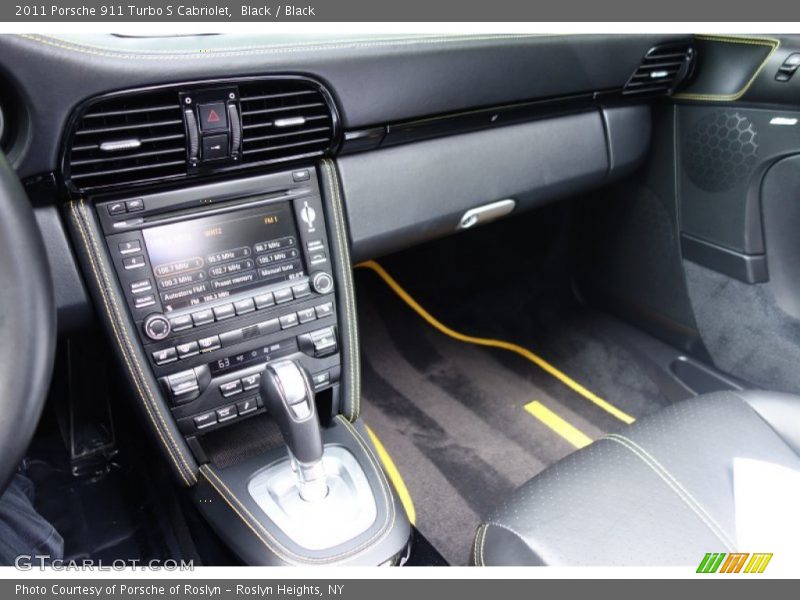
x: 736, y: 562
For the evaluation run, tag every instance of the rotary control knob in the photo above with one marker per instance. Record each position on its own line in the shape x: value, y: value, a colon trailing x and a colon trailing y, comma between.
x: 322, y: 282
x: 156, y: 326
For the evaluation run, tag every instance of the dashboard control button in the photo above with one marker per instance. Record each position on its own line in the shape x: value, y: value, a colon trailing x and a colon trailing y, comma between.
x: 322, y: 282
x: 306, y: 315
x: 130, y: 247
x: 288, y: 321
x: 247, y: 406
x: 264, y: 300
x: 134, y: 205
x: 213, y: 117
x: 215, y: 146
x: 251, y: 382
x: 283, y: 296
x: 142, y: 286
x: 188, y: 349
x: 303, y: 175
x: 318, y: 258
x: 203, y: 317
x: 205, y: 420
x: 144, y: 301
x: 156, y: 326
x: 321, y: 379
x: 226, y: 311
x: 183, y: 386
x: 229, y: 338
x: 133, y: 262
x: 301, y: 290
x: 315, y: 245
x: 244, y: 306
x: 181, y: 323
x: 267, y: 327
x: 165, y: 356
x: 117, y: 208
x: 209, y: 344
x: 230, y: 388
x: 226, y: 413
x: 324, y: 310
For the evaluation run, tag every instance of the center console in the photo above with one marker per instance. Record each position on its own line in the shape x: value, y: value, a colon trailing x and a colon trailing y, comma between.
x: 218, y: 287
x: 230, y: 306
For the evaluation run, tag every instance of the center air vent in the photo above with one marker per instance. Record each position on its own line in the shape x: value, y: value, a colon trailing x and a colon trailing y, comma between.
x: 127, y: 139
x: 662, y: 70
x: 285, y: 119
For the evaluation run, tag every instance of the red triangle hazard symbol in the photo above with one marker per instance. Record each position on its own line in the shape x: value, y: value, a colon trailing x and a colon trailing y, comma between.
x: 213, y: 117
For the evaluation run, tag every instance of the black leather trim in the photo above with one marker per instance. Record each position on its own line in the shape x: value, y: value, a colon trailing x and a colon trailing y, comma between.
x: 108, y: 298
x: 331, y: 192
x: 245, y: 528
x: 374, y: 79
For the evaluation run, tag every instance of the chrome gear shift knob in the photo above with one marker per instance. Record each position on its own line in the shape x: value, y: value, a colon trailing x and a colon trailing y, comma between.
x: 289, y: 397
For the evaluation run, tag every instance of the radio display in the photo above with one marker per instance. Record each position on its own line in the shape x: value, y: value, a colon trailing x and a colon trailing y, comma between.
x: 206, y: 259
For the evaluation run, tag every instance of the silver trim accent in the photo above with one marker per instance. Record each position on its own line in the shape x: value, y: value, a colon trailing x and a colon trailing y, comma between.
x: 347, y: 511
x: 118, y: 145
x: 289, y: 122
x: 485, y: 213
x: 783, y: 121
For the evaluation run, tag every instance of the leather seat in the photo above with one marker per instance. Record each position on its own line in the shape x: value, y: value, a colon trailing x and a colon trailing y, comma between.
x: 660, y: 492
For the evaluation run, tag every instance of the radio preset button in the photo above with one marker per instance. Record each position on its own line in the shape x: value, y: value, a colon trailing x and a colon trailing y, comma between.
x: 144, y: 301
x: 301, y: 290
x: 203, y: 317
x: 229, y: 338
x: 141, y: 286
x: 264, y: 300
x: 288, y: 321
x: 134, y: 205
x: 283, y: 296
x: 306, y: 315
x: 251, y: 382
x: 267, y: 327
x: 209, y: 344
x: 117, y: 208
x: 157, y: 326
x: 188, y: 349
x: 133, y: 262
x: 225, y: 311
x: 322, y: 282
x: 244, y: 306
x: 324, y: 310
x: 130, y: 247
x: 181, y: 323
x: 205, y: 420
x: 165, y: 356
x: 230, y: 388
x: 247, y: 406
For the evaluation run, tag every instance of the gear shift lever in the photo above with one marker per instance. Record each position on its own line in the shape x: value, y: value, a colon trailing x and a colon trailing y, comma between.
x: 289, y: 397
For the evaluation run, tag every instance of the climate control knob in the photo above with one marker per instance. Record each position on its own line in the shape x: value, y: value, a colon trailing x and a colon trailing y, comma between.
x: 322, y: 282
x: 156, y: 326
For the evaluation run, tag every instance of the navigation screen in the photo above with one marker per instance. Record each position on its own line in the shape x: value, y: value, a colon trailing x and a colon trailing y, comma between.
x: 210, y: 258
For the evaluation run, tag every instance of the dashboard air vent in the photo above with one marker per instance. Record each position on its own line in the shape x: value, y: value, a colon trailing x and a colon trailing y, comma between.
x: 285, y: 119
x: 127, y: 139
x: 662, y: 70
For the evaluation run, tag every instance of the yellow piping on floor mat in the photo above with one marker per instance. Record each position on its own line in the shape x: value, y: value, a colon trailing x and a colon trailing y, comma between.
x: 394, y: 475
x: 492, y: 343
x: 566, y: 430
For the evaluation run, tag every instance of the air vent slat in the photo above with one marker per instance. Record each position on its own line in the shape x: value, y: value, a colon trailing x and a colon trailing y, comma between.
x: 92, y: 161
x: 118, y: 171
x: 131, y: 111
x: 134, y: 126
x: 661, y: 71
x: 285, y: 120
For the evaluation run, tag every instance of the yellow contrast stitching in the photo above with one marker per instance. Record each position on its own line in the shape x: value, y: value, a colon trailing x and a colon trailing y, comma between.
x: 79, y: 225
x: 765, y: 41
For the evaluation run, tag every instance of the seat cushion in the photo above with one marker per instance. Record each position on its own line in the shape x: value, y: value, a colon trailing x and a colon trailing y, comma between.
x: 660, y: 492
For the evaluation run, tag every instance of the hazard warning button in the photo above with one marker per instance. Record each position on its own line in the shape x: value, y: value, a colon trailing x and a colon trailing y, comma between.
x: 213, y: 117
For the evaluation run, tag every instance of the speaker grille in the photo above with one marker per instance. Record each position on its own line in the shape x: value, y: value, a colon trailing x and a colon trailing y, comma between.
x: 721, y: 151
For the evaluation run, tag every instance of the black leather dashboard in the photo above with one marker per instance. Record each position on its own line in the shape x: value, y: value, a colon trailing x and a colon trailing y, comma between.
x: 375, y: 79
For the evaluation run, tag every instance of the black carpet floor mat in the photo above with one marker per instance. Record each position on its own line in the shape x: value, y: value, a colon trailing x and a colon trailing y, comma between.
x: 452, y: 414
